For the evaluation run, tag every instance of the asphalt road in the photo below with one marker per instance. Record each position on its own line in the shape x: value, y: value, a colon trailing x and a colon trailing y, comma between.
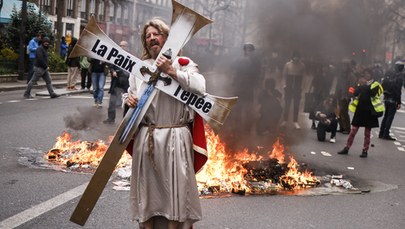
x: 45, y: 198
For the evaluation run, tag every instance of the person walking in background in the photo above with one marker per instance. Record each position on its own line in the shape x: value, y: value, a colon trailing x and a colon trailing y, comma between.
x: 364, y: 111
x: 41, y: 69
x: 32, y: 48
x: 163, y: 145
x: 392, y: 84
x: 98, y: 78
x: 119, y: 85
x: 85, y: 73
x: 63, y: 47
x: 325, y: 113
x: 73, y: 67
x: 293, y: 73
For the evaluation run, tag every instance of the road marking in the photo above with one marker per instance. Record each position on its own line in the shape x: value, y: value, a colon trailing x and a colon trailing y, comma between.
x: 326, y: 154
x: 397, y: 143
x: 399, y: 128
x: 350, y: 168
x: 35, y: 211
x: 313, y: 153
x: 14, y: 101
x: 401, y: 149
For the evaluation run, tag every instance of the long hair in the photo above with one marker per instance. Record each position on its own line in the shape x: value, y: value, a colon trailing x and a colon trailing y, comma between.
x: 161, y: 26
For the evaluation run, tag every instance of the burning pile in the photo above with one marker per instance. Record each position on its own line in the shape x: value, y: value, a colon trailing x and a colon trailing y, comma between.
x: 80, y: 154
x: 225, y: 172
x: 250, y: 172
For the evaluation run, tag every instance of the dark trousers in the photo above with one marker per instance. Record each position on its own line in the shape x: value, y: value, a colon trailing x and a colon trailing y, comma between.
x: 344, y: 121
x: 323, y: 128
x: 115, y: 101
x: 30, y: 69
x: 85, y: 74
x: 40, y: 73
x: 289, y: 96
x: 389, y: 114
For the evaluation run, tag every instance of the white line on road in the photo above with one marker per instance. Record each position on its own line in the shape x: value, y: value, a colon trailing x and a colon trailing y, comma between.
x: 35, y: 211
x: 326, y: 154
x: 401, y: 149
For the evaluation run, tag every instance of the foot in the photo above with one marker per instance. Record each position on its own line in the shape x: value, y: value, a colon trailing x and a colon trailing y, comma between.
x: 313, y: 126
x: 108, y: 121
x: 283, y: 123
x: 380, y: 135
x: 345, y: 132
x: 297, y: 126
x: 28, y: 96
x: 344, y: 151
x: 363, y: 154
x: 54, y: 96
x: 332, y: 140
x: 389, y: 138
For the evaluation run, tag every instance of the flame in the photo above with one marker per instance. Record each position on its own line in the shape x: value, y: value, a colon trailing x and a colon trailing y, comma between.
x: 223, y: 172
x: 81, y: 153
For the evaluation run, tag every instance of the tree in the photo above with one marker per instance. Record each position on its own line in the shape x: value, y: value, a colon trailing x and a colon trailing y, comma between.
x: 26, y: 23
x: 36, y: 23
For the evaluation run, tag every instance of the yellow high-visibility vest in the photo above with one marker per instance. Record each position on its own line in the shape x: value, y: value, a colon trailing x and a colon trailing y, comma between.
x: 375, y: 101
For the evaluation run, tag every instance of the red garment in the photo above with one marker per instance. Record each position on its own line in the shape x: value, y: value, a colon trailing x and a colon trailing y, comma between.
x: 199, y: 143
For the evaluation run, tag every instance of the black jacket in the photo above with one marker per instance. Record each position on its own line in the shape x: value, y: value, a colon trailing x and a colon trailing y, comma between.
x: 41, y: 60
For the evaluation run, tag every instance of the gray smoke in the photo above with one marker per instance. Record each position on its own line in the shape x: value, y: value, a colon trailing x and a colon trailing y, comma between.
x: 86, y: 118
x: 321, y: 31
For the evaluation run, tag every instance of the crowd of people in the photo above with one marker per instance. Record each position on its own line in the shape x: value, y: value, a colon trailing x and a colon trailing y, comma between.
x: 341, y: 97
x: 92, y: 72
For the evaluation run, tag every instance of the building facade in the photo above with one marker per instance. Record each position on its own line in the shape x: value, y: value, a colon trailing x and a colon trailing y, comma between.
x: 123, y: 19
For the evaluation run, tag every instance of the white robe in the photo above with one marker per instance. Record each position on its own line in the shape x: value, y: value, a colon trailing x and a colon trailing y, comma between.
x: 163, y: 181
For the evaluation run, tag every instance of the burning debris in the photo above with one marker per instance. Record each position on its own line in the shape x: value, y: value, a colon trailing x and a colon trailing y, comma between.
x: 226, y: 172
x: 246, y: 172
x: 79, y: 154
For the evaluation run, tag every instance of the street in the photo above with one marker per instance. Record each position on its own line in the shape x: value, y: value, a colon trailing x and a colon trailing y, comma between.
x: 28, y: 193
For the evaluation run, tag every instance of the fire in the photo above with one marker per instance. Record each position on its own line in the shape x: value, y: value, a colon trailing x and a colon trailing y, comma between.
x: 225, y: 171
x: 80, y: 153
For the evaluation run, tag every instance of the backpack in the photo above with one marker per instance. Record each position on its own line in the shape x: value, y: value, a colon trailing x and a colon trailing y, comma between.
x: 389, y: 83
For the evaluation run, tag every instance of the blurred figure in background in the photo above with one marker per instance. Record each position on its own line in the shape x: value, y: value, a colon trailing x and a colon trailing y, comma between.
x: 41, y: 70
x: 325, y: 113
x: 392, y: 84
x: 63, y: 48
x: 270, y: 108
x: 248, y: 77
x: 320, y: 87
x: 293, y: 74
x: 98, y: 77
x: 344, y: 92
x: 119, y: 85
x: 31, y: 50
x: 85, y: 73
x: 73, y: 64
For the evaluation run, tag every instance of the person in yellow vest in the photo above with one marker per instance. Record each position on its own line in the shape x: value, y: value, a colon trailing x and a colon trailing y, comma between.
x: 367, y: 107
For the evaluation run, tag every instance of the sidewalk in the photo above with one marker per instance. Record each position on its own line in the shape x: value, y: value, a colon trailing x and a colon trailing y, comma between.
x: 59, y: 87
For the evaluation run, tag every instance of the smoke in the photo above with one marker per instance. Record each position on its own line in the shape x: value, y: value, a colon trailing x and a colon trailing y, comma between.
x: 86, y: 118
x: 323, y: 32
x: 319, y: 29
